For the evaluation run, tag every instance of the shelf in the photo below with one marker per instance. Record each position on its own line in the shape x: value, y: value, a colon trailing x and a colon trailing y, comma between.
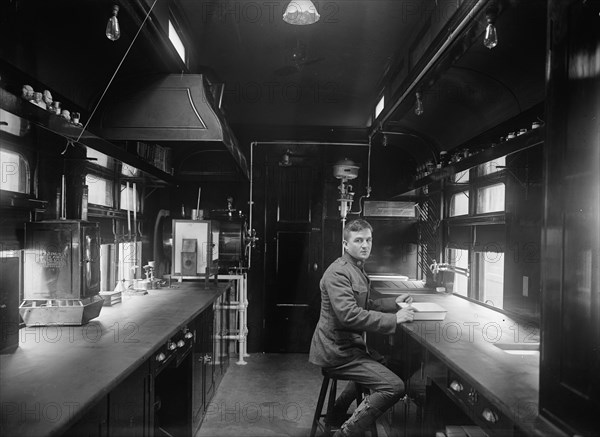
x: 495, y: 150
x: 71, y: 132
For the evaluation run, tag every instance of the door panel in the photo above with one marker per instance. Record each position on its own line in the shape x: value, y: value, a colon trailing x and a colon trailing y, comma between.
x: 293, y: 203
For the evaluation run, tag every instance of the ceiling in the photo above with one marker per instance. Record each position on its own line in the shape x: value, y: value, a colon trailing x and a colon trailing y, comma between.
x: 325, y: 74
x: 315, y: 82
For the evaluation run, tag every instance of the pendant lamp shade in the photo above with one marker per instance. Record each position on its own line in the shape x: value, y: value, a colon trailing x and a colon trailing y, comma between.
x: 301, y: 12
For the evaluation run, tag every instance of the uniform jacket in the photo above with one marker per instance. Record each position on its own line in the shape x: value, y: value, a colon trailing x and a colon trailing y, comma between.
x: 346, y: 312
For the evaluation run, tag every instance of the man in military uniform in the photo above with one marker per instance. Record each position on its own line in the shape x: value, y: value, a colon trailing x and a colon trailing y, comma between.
x: 338, y: 343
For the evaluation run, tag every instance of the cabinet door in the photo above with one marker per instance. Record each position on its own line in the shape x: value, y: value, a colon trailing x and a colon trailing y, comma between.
x: 570, y: 358
x: 199, y: 353
x: 209, y: 346
x: 130, y: 405
x: 93, y: 424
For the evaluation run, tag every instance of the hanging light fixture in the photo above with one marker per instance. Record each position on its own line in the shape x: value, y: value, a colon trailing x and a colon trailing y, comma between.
x: 301, y: 12
x: 113, y: 30
x: 418, y: 104
x: 490, y: 40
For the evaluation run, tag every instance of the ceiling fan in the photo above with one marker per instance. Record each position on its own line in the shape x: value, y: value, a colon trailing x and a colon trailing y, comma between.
x: 296, y: 57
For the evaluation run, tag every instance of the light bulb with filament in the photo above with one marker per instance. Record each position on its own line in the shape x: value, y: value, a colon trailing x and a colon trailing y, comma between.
x: 113, y: 30
x: 490, y: 40
x: 418, y: 104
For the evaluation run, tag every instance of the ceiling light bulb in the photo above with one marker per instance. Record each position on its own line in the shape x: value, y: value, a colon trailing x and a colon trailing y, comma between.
x: 490, y: 40
x: 301, y: 12
x: 418, y: 104
x: 113, y: 30
x: 491, y: 36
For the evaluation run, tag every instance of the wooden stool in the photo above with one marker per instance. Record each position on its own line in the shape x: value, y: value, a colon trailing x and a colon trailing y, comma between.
x: 361, y: 392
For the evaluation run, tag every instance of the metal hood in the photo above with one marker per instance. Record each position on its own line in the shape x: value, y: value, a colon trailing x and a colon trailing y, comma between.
x: 169, y: 108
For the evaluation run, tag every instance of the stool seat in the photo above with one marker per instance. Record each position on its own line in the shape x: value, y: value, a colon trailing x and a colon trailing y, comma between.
x: 330, y: 382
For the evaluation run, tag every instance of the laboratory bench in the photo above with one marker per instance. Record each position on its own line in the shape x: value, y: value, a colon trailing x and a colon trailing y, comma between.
x: 148, y: 365
x: 477, y: 367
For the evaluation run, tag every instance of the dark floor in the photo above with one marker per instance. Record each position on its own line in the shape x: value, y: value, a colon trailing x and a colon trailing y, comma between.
x: 272, y: 395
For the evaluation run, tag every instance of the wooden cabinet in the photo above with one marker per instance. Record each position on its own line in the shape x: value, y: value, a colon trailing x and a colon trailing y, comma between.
x: 169, y: 394
x: 202, y: 367
x: 130, y: 405
x: 93, y: 424
x: 570, y: 382
x: 126, y: 411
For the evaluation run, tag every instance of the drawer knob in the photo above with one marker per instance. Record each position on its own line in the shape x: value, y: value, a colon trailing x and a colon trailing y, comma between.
x: 171, y: 346
x: 180, y: 343
x: 489, y: 415
x: 456, y: 386
x: 160, y: 357
x: 472, y: 397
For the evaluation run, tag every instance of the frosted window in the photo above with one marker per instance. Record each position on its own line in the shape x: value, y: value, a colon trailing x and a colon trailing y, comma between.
x: 14, y: 170
x: 459, y: 204
x: 176, y: 41
x: 100, y: 190
x: 490, y: 198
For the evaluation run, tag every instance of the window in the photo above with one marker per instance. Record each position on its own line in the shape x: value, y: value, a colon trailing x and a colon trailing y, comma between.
x: 129, y: 171
x: 492, y: 166
x: 380, y: 106
x: 475, y: 240
x: 462, y: 177
x: 459, y: 204
x: 491, y: 278
x: 100, y: 190
x: 99, y: 158
x: 176, y: 41
x: 490, y: 198
x: 14, y: 170
x: 460, y: 258
x: 129, y: 197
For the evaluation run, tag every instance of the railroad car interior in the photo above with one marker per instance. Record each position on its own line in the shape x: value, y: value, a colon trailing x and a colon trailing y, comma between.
x: 176, y: 175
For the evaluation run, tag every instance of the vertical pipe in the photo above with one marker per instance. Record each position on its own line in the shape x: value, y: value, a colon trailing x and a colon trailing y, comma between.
x: 127, y: 208
x: 251, y: 201
x: 62, y: 199
x: 134, y: 207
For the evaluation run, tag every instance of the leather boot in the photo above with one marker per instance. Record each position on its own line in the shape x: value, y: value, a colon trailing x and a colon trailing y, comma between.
x: 360, y: 421
x: 340, y: 409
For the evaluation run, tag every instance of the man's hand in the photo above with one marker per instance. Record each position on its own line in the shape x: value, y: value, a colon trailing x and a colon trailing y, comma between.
x: 407, y: 298
x: 405, y: 315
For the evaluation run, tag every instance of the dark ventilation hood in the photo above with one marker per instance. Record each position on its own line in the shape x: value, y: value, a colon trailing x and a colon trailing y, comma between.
x: 175, y: 108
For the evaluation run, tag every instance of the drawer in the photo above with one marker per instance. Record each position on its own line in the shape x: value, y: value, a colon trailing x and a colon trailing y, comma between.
x: 483, y: 412
x: 173, y: 351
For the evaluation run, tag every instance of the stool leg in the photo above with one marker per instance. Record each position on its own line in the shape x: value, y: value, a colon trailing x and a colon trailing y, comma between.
x: 330, y: 405
x: 319, y: 409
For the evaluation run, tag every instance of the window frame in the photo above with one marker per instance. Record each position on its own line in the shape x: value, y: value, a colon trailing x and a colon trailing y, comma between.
x: 10, y: 145
x: 472, y: 223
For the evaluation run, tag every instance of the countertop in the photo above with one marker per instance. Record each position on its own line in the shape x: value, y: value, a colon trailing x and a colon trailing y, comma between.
x: 59, y: 372
x: 466, y: 342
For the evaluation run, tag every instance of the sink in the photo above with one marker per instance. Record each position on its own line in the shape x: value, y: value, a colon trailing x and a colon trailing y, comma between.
x: 519, y: 348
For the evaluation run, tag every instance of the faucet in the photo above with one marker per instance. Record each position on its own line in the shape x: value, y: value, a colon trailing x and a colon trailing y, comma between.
x: 445, y: 267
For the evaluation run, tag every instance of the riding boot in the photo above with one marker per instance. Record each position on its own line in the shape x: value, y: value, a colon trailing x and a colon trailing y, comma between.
x: 342, y: 403
x: 360, y: 421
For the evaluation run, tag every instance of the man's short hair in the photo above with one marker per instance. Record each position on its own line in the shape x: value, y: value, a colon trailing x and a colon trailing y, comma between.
x: 356, y: 226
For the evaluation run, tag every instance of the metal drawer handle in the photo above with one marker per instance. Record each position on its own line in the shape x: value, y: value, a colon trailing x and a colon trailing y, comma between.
x: 489, y: 415
x: 456, y: 386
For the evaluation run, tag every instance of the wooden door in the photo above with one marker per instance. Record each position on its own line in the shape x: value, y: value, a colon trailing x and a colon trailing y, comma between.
x: 570, y: 355
x: 293, y: 216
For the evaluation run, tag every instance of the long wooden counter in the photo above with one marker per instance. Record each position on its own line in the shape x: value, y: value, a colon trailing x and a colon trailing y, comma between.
x: 472, y: 343
x: 60, y: 372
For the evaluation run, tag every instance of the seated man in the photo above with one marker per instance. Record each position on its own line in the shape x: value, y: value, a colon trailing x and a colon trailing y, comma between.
x: 338, y: 344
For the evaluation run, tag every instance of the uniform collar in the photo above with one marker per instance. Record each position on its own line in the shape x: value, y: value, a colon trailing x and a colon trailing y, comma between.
x: 354, y: 261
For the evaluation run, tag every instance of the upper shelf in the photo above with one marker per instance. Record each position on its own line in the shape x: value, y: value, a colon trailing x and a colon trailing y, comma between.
x: 495, y: 150
x: 71, y: 132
